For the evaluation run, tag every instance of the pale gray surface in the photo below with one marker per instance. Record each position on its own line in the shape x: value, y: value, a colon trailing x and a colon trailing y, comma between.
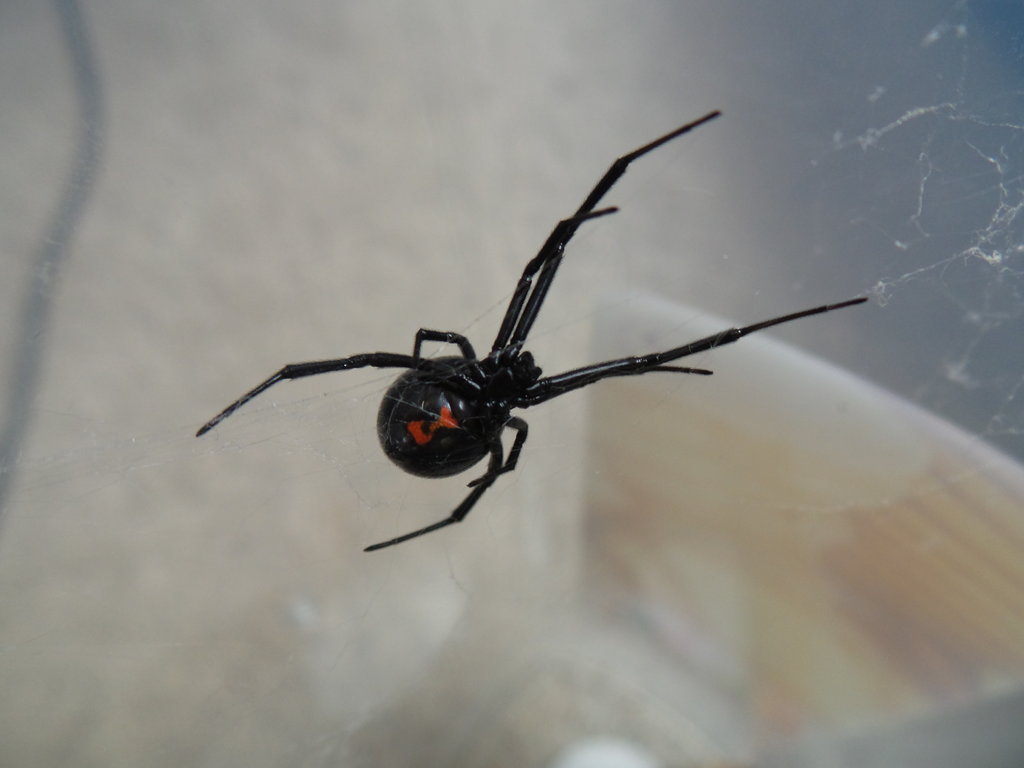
x: 283, y: 182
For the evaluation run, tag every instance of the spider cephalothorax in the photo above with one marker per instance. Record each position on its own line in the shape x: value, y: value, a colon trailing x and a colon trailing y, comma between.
x: 443, y: 415
x: 509, y: 376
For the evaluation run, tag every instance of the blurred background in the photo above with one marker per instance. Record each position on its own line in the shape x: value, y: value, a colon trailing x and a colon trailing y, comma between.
x: 195, y: 194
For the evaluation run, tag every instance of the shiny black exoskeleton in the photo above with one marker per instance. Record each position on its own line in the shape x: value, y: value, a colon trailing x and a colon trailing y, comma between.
x: 443, y: 415
x: 429, y: 428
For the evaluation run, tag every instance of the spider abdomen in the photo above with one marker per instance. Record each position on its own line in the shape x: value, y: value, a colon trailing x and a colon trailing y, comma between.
x: 427, y: 428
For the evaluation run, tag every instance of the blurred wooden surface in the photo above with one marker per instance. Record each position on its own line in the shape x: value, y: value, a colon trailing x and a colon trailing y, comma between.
x: 793, y: 531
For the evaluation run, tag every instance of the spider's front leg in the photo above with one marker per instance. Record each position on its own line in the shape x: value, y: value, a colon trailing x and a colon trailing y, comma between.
x: 526, y: 303
x: 553, y: 386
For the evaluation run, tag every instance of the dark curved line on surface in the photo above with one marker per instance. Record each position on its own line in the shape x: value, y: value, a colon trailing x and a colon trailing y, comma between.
x: 53, y: 251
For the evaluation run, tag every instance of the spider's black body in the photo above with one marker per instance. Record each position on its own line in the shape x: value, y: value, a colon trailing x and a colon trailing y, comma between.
x: 432, y: 424
x: 443, y: 415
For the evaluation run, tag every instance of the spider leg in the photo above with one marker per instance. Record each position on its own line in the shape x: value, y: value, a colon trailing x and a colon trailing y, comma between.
x: 448, y: 337
x: 553, y: 386
x: 523, y: 309
x: 550, y: 252
x: 301, y: 370
x: 513, y: 455
x: 671, y: 369
x: 494, y: 468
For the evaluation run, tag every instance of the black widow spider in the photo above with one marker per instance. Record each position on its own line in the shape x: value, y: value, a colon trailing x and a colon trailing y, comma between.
x: 445, y: 414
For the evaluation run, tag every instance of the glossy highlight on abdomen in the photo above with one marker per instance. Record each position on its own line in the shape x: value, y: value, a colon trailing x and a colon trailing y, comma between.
x: 422, y: 426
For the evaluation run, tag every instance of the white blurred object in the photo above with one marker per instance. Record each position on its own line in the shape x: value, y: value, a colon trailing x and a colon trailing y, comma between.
x: 605, y: 753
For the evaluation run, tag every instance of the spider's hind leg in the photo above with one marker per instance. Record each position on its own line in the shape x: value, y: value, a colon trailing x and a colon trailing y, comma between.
x: 521, y: 429
x: 314, y: 368
x: 494, y: 468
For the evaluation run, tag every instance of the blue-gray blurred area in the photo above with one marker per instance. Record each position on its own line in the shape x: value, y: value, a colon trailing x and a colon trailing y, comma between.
x: 193, y: 194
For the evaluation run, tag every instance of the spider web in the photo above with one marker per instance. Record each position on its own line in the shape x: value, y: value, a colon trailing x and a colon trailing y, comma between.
x: 940, y: 199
